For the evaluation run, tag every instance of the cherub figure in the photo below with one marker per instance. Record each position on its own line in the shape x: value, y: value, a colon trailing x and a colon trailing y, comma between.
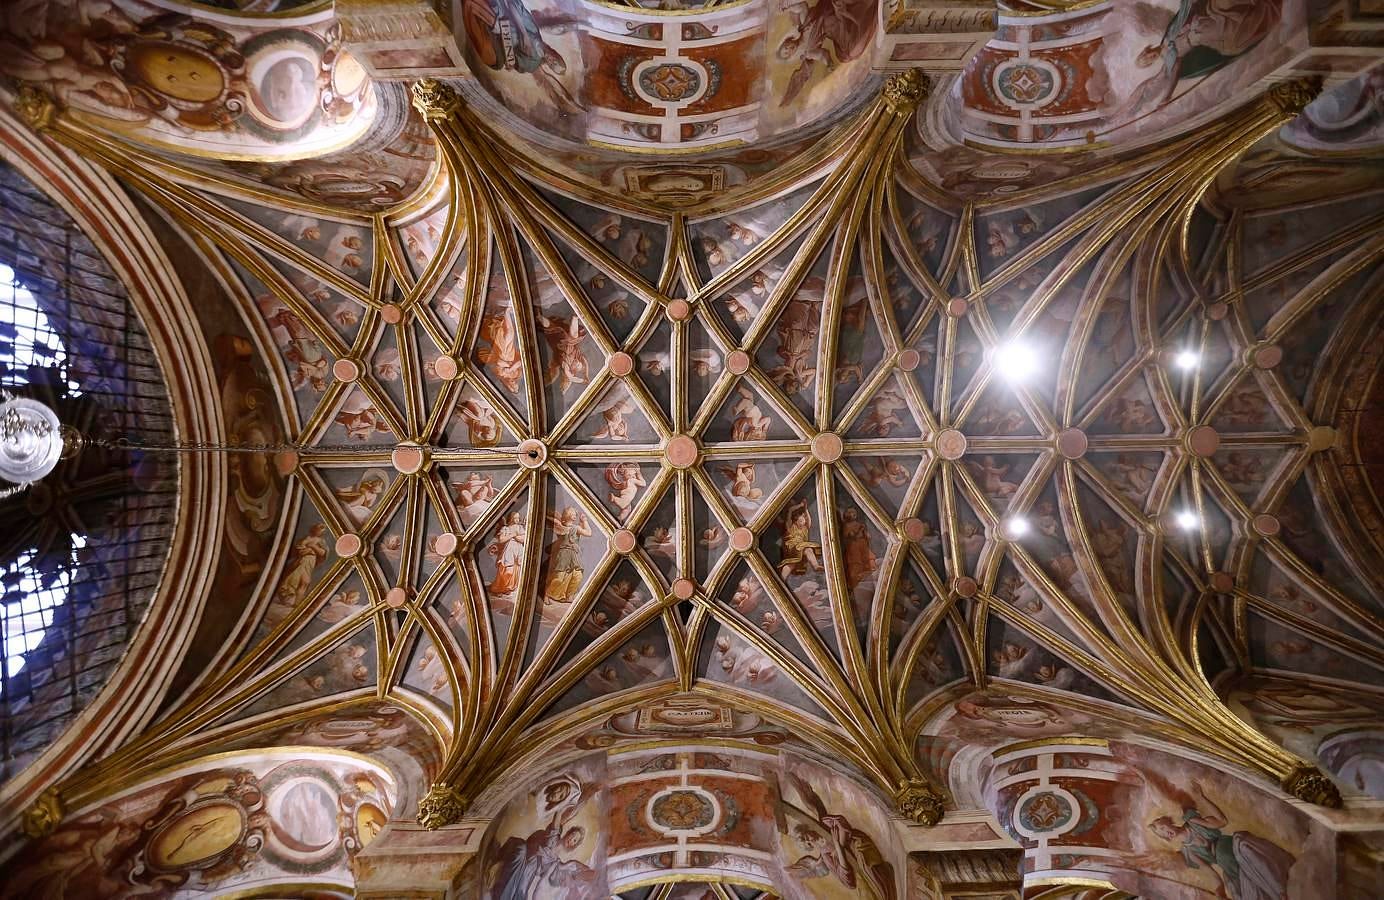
x: 625, y: 481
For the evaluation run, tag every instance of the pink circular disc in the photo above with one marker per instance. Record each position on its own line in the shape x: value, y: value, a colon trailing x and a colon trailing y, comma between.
x: 738, y: 362
x: 1268, y: 356
x: 623, y: 541
x: 348, y: 544
x: 742, y: 540
x: 1265, y: 525
x: 681, y: 451
x: 965, y: 586
x: 956, y: 307
x: 1222, y: 582
x: 621, y: 364
x: 684, y: 588
x: 445, y: 367
x: 445, y: 544
x: 910, y: 359
x: 1072, y: 443
x: 914, y: 529
x: 285, y: 461
x: 408, y: 460
x: 827, y: 447
x: 346, y: 370
x: 532, y: 453
x: 396, y: 597
x: 678, y: 310
x: 1203, y: 441
x: 951, y: 444
x: 1323, y: 437
x: 1217, y: 311
x: 391, y: 314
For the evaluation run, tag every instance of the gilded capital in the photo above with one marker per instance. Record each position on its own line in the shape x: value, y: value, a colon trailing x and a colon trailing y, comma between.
x: 1292, y: 97
x: 42, y: 818
x: 916, y: 800
x: 434, y: 99
x: 34, y: 108
x: 905, y: 90
x: 443, y: 805
x: 1309, y: 784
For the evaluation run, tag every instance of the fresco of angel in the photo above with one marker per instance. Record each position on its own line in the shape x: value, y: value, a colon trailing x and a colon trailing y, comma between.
x: 501, y: 357
x: 568, y: 365
x: 508, y: 548
x: 750, y: 423
x: 360, y: 498
x: 625, y: 481
x: 473, y: 496
x: 836, y: 849
x: 565, y: 570
x: 847, y: 25
x: 483, y: 429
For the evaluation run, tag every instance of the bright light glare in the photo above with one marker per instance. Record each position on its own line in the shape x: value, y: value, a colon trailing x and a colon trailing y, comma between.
x: 1016, y: 527
x: 1016, y: 361
x: 1186, y: 359
x: 1187, y: 520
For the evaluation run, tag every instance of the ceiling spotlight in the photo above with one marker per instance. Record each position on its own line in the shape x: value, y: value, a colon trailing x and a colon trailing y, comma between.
x: 1016, y: 527
x: 1016, y: 361
x: 1187, y: 520
x: 1186, y: 359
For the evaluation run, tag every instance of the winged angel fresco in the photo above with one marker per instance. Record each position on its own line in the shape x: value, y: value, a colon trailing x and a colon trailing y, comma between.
x: 835, y: 848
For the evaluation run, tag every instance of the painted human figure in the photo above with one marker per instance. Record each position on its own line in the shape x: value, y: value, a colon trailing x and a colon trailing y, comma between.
x: 750, y: 423
x: 567, y: 364
x: 473, y: 496
x: 483, y: 429
x: 860, y: 559
x: 528, y: 868
x: 883, y: 416
x: 1204, y: 35
x: 505, y: 35
x: 839, y: 850
x: 1248, y: 866
x: 625, y: 481
x: 501, y: 358
x: 743, y: 492
x: 613, y: 424
x: 848, y: 25
x: 361, y: 497
x: 308, y: 554
x: 991, y: 475
x: 797, y: 330
x: 508, y: 550
x: 799, y: 550
x: 565, y: 570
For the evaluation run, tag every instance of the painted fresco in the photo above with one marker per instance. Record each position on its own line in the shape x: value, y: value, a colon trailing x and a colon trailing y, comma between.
x: 253, y: 820
x: 721, y: 811
x: 1153, y: 824
x: 153, y: 75
x: 625, y: 77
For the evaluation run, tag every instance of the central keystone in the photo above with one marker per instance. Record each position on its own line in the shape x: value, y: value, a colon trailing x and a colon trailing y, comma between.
x: 681, y: 451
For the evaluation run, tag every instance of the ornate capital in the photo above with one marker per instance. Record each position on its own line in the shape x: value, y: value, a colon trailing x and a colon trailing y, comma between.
x: 1292, y: 97
x: 1308, y: 783
x: 904, y: 91
x: 35, y: 108
x: 43, y: 817
x: 917, y: 800
x: 443, y: 805
x: 434, y: 99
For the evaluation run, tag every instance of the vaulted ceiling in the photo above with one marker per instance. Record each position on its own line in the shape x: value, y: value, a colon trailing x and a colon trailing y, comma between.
x: 624, y: 375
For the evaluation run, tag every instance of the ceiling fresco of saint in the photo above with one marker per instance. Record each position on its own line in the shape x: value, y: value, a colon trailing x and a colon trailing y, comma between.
x: 732, y: 450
